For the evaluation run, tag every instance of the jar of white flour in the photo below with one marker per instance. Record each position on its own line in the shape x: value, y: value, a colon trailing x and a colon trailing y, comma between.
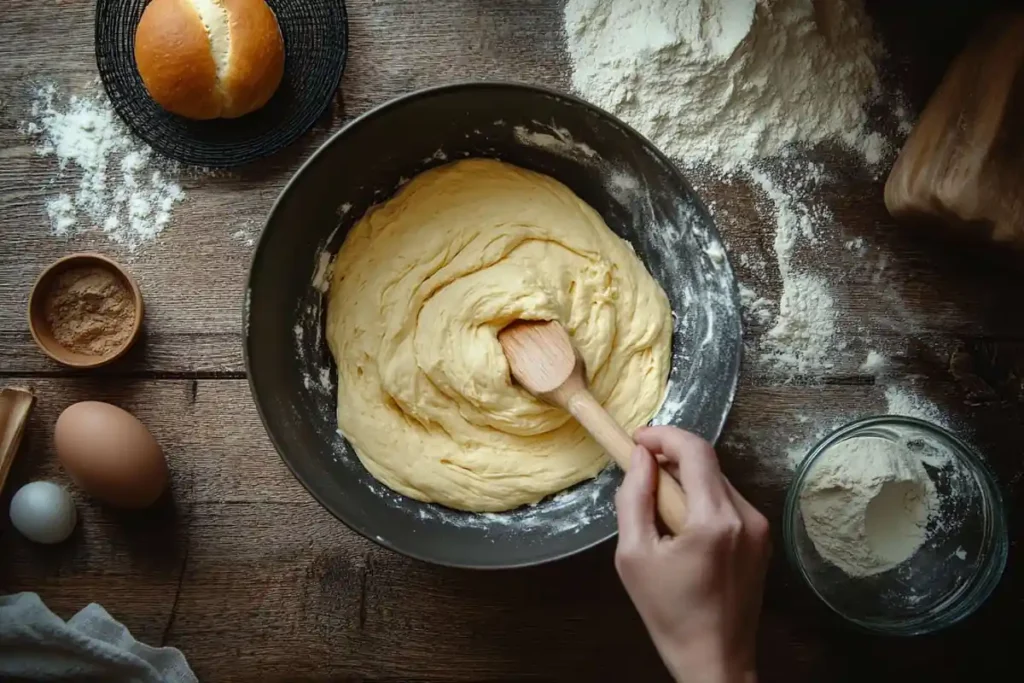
x: 897, y: 525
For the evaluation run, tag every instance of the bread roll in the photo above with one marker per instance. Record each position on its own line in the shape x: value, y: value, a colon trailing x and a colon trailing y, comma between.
x: 207, y: 59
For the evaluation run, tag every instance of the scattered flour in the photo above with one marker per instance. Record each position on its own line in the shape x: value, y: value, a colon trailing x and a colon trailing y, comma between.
x: 734, y: 88
x: 803, y: 335
x: 247, y: 234
x: 61, y: 211
x: 324, y: 271
x: 559, y: 141
x: 737, y: 91
x: 758, y: 309
x: 122, y: 190
x: 900, y: 401
x: 866, y: 504
x: 874, y: 363
x: 243, y: 236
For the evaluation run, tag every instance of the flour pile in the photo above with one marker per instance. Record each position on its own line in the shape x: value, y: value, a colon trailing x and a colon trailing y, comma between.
x: 721, y: 82
x: 737, y: 88
x: 122, y: 189
x: 866, y: 505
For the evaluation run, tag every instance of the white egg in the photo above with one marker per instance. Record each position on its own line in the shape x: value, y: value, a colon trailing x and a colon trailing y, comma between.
x: 43, y: 512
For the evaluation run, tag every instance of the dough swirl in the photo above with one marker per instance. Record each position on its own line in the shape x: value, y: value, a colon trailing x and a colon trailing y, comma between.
x: 421, y: 287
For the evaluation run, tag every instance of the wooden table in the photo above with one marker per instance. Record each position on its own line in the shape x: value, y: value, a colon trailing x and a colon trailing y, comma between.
x: 254, y: 581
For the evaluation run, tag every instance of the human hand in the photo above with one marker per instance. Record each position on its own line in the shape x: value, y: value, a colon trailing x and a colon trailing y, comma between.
x: 698, y: 593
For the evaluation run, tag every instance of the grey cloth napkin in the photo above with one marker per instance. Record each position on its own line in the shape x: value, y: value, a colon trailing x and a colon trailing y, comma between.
x: 37, y: 645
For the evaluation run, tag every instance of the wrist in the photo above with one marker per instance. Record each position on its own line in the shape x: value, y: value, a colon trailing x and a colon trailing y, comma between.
x: 693, y: 675
x: 742, y: 676
x: 711, y: 670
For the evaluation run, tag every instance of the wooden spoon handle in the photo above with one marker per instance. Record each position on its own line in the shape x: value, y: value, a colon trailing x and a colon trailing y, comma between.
x: 619, y: 445
x: 15, y: 404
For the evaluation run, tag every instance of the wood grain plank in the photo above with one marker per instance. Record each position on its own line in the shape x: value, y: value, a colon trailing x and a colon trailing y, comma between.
x: 272, y: 585
x: 219, y: 451
x: 310, y: 600
x: 193, y: 276
x: 155, y: 354
x: 194, y: 280
x: 284, y: 593
x: 255, y: 581
x: 338, y: 606
x: 130, y: 563
x: 204, y: 356
x: 211, y: 434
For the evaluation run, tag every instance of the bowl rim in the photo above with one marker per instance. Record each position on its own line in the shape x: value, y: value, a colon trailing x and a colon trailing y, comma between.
x: 379, y: 110
x: 982, y: 583
x: 37, y: 321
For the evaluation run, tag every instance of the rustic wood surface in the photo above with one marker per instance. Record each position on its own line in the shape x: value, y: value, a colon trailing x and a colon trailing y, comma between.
x: 254, y: 581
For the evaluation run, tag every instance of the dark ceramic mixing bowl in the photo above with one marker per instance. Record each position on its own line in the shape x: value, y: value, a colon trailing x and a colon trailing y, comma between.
x: 631, y: 184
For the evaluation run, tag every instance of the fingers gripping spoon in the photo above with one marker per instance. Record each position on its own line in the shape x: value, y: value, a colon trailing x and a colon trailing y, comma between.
x: 542, y: 359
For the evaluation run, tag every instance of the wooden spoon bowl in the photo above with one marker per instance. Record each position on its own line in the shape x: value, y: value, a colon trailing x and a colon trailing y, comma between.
x: 543, y: 360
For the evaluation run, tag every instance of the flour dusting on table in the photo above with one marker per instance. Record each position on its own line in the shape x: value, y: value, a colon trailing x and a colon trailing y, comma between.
x: 735, y: 89
x: 124, y: 189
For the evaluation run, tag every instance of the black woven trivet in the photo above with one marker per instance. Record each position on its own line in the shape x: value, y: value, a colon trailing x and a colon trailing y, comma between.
x: 315, y: 43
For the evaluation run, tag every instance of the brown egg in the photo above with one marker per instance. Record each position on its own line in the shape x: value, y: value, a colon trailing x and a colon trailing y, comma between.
x: 110, y: 454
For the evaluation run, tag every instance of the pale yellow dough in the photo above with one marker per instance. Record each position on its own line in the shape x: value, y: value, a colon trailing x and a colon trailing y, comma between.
x: 421, y: 287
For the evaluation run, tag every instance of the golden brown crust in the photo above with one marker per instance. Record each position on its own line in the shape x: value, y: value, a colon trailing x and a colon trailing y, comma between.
x: 257, y: 57
x: 172, y: 53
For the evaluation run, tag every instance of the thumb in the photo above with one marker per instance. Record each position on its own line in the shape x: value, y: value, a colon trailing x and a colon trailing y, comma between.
x: 634, y: 502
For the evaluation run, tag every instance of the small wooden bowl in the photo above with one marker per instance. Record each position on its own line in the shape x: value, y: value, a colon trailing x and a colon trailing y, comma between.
x: 40, y: 328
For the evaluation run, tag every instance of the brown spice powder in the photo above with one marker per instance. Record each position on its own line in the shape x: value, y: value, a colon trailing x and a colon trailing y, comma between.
x: 90, y: 311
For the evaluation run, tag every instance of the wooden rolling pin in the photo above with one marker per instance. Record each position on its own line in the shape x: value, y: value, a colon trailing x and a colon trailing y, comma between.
x: 15, y: 405
x: 963, y: 164
x: 542, y: 359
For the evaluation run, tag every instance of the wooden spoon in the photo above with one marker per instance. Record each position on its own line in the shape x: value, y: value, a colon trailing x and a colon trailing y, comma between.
x: 542, y: 359
x: 15, y: 405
